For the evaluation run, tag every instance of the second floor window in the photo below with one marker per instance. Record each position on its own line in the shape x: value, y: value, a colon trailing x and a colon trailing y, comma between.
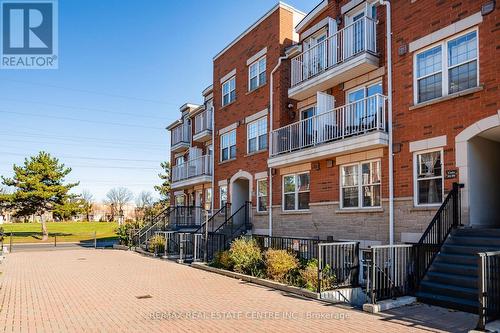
x: 257, y: 135
x: 446, y: 68
x: 257, y: 74
x: 228, y: 145
x: 229, y: 91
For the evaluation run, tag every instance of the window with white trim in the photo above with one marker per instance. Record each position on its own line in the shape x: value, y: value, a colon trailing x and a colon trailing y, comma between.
x: 228, y: 146
x: 360, y: 185
x: 208, y: 198
x: 428, y: 177
x: 229, y: 91
x: 223, y: 195
x: 262, y: 195
x: 257, y: 74
x: 257, y: 135
x: 446, y: 68
x: 180, y: 200
x: 296, y: 189
x: 179, y: 160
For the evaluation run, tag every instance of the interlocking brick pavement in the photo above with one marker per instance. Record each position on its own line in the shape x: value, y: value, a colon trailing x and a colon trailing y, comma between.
x: 95, y: 291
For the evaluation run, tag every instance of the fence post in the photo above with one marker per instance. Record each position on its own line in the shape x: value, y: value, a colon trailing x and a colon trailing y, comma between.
x: 456, y: 210
x: 10, y: 242
x: 55, y: 240
x: 205, y: 245
x: 482, y: 293
x: 319, y: 270
x: 95, y: 240
x: 372, y: 266
x: 129, y: 243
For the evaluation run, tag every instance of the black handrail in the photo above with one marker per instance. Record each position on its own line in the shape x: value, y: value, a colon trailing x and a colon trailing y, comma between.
x: 229, y: 220
x: 212, y: 218
x: 167, y: 211
x: 446, y: 219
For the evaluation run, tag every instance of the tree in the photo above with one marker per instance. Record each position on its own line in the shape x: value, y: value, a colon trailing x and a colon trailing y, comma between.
x: 144, y: 204
x: 88, y: 203
x: 164, y: 188
x: 38, y: 187
x: 71, y: 207
x: 117, y: 198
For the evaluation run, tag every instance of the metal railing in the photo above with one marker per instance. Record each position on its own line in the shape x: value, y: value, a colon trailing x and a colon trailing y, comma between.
x: 203, y: 121
x: 390, y: 272
x: 355, y: 38
x: 303, y: 248
x: 445, y: 220
x: 159, y: 221
x: 187, y: 216
x: 359, y: 117
x: 181, y: 134
x: 488, y: 272
x: 195, y: 167
x: 338, y: 265
x: 237, y: 223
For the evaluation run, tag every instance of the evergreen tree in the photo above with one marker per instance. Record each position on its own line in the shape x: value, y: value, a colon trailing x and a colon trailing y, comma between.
x: 164, y: 188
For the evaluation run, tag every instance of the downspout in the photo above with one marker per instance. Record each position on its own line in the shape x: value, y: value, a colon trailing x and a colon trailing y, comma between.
x: 388, y: 38
x: 270, y: 189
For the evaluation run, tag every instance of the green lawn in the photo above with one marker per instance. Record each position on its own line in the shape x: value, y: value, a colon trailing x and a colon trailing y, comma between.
x: 63, y: 231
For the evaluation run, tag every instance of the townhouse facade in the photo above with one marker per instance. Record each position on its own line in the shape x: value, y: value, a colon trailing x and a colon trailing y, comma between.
x: 301, y: 121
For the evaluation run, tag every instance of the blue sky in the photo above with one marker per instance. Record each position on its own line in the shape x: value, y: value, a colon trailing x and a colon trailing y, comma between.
x: 125, y: 67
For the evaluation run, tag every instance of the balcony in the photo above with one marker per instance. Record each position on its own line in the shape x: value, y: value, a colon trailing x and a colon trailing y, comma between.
x: 195, y: 171
x: 181, y: 138
x: 203, y: 126
x: 349, y: 53
x: 353, y: 127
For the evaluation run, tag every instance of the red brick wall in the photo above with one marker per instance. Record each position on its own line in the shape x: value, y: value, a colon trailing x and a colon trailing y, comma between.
x: 275, y: 33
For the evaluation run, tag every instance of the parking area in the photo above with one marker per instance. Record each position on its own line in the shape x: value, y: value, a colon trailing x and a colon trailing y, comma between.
x: 109, y: 290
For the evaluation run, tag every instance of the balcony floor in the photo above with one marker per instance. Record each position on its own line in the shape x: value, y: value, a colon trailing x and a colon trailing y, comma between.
x: 186, y: 183
x: 370, y: 140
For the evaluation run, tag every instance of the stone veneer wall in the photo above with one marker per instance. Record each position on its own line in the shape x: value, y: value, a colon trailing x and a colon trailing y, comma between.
x: 369, y: 227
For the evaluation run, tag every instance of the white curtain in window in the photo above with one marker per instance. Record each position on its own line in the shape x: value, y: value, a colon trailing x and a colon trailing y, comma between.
x: 430, y: 160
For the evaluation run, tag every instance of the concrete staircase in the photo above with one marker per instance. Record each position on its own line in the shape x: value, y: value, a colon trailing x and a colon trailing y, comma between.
x: 451, y: 280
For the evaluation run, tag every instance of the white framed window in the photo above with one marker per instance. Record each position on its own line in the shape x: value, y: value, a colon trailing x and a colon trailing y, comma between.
x: 262, y: 195
x: 257, y: 74
x: 360, y: 185
x: 296, y: 190
x: 179, y: 160
x: 180, y: 200
x: 428, y: 177
x: 208, y: 198
x: 228, y: 145
x: 257, y: 135
x: 446, y: 68
x: 222, y: 195
x: 229, y: 91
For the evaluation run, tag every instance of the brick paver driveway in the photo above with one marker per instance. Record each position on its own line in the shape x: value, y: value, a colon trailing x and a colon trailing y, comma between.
x: 97, y: 290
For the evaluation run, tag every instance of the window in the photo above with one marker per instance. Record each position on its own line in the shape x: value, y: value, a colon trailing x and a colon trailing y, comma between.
x: 179, y: 160
x: 257, y: 74
x: 296, y: 191
x: 229, y: 91
x: 180, y: 200
x: 429, y: 177
x: 360, y: 185
x: 447, y: 68
x: 208, y: 198
x: 257, y: 135
x: 364, y: 98
x: 228, y: 145
x: 262, y: 195
x: 223, y: 195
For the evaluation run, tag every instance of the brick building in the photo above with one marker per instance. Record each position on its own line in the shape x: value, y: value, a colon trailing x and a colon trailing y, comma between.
x: 321, y: 146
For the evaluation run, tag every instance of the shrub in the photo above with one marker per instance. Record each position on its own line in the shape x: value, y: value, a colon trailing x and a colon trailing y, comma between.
x: 157, y: 244
x: 245, y: 255
x: 223, y: 260
x: 309, y: 276
x: 123, y: 233
x: 279, y: 264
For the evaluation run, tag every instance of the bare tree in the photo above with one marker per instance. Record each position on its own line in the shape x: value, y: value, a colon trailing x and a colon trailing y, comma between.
x: 117, y: 198
x: 88, y: 203
x: 144, y: 205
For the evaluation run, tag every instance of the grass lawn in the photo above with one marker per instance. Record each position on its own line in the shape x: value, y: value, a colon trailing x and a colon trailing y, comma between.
x: 63, y: 231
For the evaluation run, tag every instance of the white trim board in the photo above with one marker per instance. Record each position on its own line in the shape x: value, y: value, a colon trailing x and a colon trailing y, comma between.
x: 260, y: 20
x: 256, y: 116
x: 256, y: 56
x: 228, y: 128
x: 446, y: 32
x: 228, y: 76
x: 431, y: 143
x: 312, y: 15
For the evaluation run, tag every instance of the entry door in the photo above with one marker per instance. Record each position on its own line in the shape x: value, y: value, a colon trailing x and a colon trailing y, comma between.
x: 354, y: 37
x: 306, y: 131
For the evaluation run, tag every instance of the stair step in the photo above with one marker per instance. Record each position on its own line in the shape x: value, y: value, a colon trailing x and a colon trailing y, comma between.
x: 448, y: 290
x: 448, y: 302
x: 478, y: 241
x: 452, y: 279
x: 451, y: 268
x: 467, y: 249
x: 461, y: 259
x: 485, y: 232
